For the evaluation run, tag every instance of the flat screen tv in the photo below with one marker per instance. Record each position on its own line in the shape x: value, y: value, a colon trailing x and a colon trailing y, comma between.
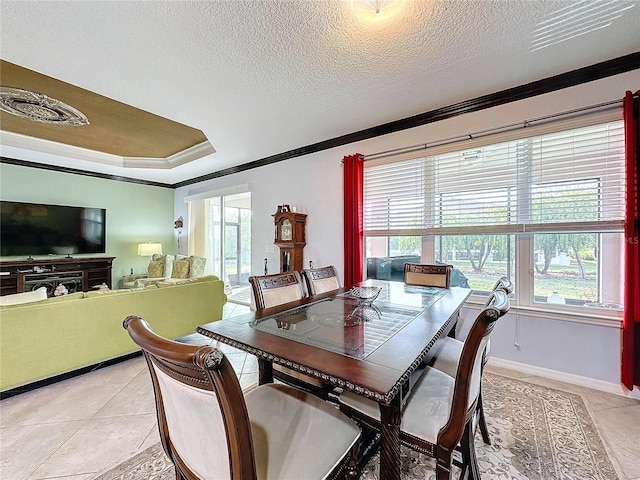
x: 28, y: 229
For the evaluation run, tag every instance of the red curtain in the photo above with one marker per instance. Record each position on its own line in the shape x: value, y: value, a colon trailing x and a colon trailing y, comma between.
x: 353, y: 238
x: 631, y: 321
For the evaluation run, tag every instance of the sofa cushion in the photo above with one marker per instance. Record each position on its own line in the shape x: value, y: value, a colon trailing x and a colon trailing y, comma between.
x: 155, y: 268
x: 25, y: 297
x: 103, y: 293
x: 196, y: 266
x: 179, y: 281
x: 180, y: 269
x: 168, y: 264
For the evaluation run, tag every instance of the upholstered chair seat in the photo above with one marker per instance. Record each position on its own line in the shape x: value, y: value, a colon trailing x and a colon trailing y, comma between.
x: 284, y: 420
x: 210, y: 429
x: 449, y: 350
x: 438, y: 416
x: 427, y: 411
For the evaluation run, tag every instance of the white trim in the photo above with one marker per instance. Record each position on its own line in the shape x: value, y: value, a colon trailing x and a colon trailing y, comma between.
x: 185, y: 156
x: 600, y: 385
x: 596, y: 316
x: 200, y: 194
x: 54, y: 148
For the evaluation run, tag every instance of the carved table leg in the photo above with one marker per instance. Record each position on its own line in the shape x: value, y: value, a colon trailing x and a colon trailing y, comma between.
x: 390, y: 441
x: 265, y: 371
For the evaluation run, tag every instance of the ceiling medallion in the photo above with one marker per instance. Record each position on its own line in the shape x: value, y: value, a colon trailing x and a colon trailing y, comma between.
x: 40, y: 108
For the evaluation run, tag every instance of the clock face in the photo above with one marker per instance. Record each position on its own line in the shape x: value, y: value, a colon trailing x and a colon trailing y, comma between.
x: 286, y: 232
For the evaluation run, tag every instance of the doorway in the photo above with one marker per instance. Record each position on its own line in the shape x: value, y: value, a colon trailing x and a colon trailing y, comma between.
x: 232, y: 244
x: 221, y: 230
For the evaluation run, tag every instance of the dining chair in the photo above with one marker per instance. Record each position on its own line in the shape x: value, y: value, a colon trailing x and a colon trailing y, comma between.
x: 277, y: 289
x: 321, y: 280
x: 425, y: 275
x: 447, y: 357
x: 210, y: 429
x: 437, y: 418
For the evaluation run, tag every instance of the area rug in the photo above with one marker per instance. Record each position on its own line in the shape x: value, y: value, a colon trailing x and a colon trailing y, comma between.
x: 537, y: 433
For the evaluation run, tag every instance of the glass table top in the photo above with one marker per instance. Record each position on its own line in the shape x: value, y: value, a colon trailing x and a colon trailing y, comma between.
x: 344, y: 325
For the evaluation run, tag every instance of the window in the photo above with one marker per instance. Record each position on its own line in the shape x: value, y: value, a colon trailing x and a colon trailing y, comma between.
x: 547, y: 211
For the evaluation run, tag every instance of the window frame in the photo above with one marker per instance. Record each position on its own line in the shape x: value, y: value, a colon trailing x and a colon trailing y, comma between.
x: 524, y: 268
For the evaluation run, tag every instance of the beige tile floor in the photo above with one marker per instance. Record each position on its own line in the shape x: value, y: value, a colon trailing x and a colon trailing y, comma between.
x: 78, y: 428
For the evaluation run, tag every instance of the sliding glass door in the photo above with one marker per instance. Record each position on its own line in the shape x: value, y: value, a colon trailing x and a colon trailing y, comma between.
x: 221, y: 229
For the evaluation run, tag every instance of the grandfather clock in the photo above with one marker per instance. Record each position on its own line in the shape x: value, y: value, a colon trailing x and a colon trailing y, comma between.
x: 290, y: 237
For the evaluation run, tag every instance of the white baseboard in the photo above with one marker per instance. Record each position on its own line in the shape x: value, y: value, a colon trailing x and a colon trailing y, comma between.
x: 608, y: 387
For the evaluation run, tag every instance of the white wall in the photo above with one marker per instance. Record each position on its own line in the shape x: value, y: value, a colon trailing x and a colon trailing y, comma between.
x: 313, y: 184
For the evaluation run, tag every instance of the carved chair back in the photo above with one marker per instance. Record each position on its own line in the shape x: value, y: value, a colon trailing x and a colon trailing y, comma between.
x: 202, y: 416
x: 277, y: 289
x: 427, y: 275
x: 503, y: 283
x: 321, y: 280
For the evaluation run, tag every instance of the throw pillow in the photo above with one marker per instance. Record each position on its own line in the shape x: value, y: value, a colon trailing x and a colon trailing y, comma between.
x: 196, y: 266
x: 155, y: 269
x: 180, y: 269
x: 25, y: 297
x: 168, y: 263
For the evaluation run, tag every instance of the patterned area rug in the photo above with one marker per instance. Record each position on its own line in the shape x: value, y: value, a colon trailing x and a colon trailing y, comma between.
x: 537, y: 433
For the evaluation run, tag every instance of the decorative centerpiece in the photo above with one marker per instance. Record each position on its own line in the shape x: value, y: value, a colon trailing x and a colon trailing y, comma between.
x: 365, y: 295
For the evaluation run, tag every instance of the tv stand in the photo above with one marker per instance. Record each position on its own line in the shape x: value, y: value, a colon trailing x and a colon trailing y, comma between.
x: 82, y: 274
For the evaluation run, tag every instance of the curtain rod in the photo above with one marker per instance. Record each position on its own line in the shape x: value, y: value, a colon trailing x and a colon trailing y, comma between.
x: 482, y: 133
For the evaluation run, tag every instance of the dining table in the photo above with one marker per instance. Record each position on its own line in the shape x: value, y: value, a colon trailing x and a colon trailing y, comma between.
x: 375, y: 348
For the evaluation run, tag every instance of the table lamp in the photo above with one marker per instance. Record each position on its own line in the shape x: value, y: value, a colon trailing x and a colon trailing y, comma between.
x: 148, y: 250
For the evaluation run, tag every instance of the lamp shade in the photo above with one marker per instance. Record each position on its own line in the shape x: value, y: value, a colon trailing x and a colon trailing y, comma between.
x: 149, y: 249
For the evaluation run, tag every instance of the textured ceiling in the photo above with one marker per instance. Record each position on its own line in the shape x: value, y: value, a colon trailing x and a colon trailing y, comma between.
x: 262, y: 78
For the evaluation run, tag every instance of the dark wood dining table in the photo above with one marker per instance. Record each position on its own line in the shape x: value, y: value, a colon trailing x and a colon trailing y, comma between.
x: 373, y: 349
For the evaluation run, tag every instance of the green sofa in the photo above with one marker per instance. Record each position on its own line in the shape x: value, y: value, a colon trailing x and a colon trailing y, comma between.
x: 42, y: 339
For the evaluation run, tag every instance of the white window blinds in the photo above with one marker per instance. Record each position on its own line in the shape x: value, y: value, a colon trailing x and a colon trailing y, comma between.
x: 571, y: 179
x: 394, y: 196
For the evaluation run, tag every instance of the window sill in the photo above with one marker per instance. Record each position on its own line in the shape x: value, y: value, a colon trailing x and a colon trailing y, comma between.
x: 591, y: 316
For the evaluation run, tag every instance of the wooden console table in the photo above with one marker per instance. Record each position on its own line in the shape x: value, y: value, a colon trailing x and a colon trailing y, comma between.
x: 77, y: 274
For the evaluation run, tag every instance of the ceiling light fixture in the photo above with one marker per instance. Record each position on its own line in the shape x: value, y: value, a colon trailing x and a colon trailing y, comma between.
x: 40, y: 108
x: 375, y: 9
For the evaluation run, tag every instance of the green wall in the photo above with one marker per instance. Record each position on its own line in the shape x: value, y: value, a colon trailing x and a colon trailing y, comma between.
x: 135, y: 213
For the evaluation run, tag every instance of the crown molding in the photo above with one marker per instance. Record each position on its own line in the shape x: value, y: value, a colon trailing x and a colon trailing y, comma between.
x: 185, y: 156
x: 572, y: 78
x: 54, y: 148
x: 77, y: 171
x: 587, y: 74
